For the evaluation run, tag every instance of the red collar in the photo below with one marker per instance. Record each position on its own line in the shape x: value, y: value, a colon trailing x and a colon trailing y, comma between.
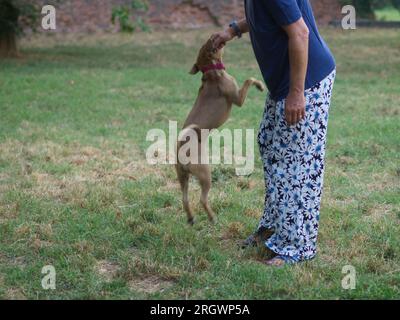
x: 210, y: 67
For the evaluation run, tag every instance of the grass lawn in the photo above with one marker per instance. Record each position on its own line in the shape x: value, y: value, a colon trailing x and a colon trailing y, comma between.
x: 76, y: 192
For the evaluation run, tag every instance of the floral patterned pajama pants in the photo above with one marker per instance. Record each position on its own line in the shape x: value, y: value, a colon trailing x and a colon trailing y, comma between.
x: 293, y: 159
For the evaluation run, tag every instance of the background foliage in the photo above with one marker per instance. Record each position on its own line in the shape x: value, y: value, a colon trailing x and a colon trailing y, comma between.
x: 129, y: 17
x: 365, y: 8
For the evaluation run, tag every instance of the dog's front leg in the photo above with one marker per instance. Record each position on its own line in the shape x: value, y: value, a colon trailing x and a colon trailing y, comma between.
x: 238, y: 96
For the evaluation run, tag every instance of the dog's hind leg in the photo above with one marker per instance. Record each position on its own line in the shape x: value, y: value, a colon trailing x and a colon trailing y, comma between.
x: 205, y: 184
x: 183, y: 178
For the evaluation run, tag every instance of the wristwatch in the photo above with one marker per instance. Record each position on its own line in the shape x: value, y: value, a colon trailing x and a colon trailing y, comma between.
x: 234, y: 25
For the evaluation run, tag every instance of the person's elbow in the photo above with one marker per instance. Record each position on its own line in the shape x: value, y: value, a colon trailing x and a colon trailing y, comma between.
x: 298, y: 30
x: 303, y: 32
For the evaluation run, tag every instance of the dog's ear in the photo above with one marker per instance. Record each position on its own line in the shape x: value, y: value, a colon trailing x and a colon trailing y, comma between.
x: 195, y: 69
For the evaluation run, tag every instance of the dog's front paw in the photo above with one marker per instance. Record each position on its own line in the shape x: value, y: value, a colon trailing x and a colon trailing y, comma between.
x: 260, y: 86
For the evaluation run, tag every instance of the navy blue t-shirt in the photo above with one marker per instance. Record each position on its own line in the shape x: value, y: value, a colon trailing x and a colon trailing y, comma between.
x: 270, y: 43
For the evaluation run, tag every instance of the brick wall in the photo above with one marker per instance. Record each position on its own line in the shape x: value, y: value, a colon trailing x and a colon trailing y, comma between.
x: 326, y: 10
x: 195, y: 13
x: 95, y: 15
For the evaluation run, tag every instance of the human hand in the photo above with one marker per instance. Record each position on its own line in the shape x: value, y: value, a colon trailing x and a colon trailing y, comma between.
x: 295, y: 107
x: 220, y: 39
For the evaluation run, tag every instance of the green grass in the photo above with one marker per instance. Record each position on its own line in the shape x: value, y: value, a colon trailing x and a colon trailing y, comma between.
x: 388, y: 14
x: 76, y: 192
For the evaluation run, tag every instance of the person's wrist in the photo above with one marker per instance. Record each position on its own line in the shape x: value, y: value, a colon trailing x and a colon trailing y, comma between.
x: 296, y: 91
x: 234, y: 26
x: 231, y: 33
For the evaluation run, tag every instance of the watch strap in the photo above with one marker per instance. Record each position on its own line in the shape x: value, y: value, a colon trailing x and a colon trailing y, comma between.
x: 235, y: 26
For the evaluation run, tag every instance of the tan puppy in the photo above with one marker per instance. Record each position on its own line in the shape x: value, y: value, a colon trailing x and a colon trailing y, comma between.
x: 212, y: 108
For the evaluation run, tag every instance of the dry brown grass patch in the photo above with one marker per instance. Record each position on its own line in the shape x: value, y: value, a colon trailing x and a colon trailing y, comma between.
x: 234, y: 230
x: 378, y: 212
x: 15, y: 294
x: 107, y: 270
x: 150, y: 284
x: 88, y: 165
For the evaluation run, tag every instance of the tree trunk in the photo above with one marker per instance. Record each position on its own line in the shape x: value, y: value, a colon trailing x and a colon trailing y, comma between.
x: 9, y: 15
x: 8, y: 45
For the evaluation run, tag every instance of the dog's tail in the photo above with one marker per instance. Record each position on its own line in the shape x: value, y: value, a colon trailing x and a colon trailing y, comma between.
x: 186, y: 132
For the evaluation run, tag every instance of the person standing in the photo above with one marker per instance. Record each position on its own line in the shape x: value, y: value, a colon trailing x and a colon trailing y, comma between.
x: 299, y: 70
